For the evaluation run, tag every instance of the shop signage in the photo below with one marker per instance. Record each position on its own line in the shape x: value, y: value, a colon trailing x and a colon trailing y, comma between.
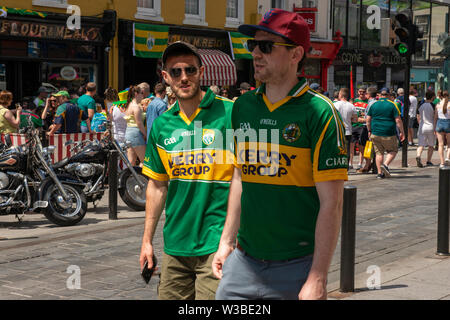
x: 310, y: 18
x: 68, y: 73
x: 201, y: 42
x: 323, y: 50
x: 369, y: 58
x: 48, y: 31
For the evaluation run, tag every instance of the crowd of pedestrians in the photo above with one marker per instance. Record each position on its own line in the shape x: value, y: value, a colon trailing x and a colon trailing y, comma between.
x: 377, y: 116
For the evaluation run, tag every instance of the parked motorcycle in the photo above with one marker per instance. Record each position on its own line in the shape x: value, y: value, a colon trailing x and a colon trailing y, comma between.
x: 28, y: 183
x: 90, y: 165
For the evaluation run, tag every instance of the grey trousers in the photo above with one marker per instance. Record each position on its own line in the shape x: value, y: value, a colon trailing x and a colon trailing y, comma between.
x: 247, y: 278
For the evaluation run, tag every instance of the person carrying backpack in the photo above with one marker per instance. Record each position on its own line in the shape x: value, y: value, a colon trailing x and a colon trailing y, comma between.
x: 68, y: 116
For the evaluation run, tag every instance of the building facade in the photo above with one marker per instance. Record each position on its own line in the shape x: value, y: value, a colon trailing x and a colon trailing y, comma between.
x: 362, y: 60
x: 38, y: 46
x: 325, y: 43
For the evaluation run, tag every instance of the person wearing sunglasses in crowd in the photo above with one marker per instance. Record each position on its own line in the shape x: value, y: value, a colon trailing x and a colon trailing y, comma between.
x: 186, y: 148
x: 49, y: 112
x: 286, y: 210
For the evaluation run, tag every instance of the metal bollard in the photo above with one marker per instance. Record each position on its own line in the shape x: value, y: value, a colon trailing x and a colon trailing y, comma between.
x: 443, y: 212
x: 348, y: 235
x: 112, y: 182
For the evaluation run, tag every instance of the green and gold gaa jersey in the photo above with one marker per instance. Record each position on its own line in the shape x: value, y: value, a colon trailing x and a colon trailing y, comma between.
x: 283, y: 150
x: 192, y: 154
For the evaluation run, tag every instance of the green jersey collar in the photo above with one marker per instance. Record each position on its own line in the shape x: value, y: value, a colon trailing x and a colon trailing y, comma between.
x: 295, y: 91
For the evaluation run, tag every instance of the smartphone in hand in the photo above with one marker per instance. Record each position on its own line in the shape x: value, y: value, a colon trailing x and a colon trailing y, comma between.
x: 146, y: 272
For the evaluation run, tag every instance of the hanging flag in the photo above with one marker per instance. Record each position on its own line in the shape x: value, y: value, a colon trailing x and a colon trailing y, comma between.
x: 238, y: 43
x: 23, y: 12
x: 149, y: 41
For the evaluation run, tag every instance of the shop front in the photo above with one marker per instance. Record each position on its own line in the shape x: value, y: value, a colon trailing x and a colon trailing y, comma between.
x: 369, y: 68
x: 319, y: 59
x: 37, y: 51
x: 213, y: 45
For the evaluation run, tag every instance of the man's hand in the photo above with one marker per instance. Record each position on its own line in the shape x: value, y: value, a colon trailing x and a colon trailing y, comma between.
x: 402, y: 136
x: 219, y: 259
x: 313, y: 289
x: 146, y: 255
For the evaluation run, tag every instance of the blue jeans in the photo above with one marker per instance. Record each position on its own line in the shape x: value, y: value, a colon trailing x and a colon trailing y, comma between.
x: 247, y: 278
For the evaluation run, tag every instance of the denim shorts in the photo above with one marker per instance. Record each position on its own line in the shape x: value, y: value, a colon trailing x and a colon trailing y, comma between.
x: 134, y: 135
x: 443, y: 125
x: 247, y: 278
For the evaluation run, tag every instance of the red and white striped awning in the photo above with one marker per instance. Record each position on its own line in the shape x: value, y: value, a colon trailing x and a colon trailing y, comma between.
x: 220, y: 70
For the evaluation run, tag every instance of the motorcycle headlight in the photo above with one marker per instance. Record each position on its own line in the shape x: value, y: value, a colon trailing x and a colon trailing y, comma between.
x: 48, y: 150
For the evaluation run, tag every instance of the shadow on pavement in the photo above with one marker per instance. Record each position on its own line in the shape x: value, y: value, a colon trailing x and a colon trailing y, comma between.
x: 27, y: 238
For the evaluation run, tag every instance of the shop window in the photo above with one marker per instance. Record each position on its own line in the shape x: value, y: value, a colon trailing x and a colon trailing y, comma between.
x: 13, y: 48
x: 339, y: 17
x: 421, y: 16
x: 309, y: 4
x: 422, y: 55
x: 195, y: 12
x: 149, y: 10
x: 423, y: 22
x: 280, y: 4
x: 72, y: 77
x: 235, y: 13
x: 439, y: 48
x: 51, y: 3
x: 370, y: 33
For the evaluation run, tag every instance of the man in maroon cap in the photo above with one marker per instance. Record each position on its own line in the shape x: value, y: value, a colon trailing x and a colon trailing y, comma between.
x: 285, y: 199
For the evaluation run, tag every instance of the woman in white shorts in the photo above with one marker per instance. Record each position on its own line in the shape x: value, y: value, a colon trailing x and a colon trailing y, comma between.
x: 426, y: 135
x: 442, y: 125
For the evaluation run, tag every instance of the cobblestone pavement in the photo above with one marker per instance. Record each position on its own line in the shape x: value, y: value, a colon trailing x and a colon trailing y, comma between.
x: 396, y: 218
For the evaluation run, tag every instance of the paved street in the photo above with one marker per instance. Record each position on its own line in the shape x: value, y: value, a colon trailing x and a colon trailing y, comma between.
x: 396, y: 219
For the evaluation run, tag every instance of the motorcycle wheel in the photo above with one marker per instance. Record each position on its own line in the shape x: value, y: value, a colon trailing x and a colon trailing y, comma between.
x: 130, y: 192
x: 61, y: 213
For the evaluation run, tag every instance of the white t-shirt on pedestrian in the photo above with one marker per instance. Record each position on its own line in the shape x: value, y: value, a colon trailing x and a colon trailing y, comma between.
x: 426, y: 124
x: 440, y: 110
x: 347, y: 110
x: 412, y: 107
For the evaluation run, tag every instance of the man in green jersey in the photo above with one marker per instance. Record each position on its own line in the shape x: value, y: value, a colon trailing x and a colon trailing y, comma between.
x: 382, y: 119
x: 285, y: 201
x: 185, y: 147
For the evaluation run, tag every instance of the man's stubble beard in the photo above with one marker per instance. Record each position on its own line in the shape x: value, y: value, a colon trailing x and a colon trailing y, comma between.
x: 194, y: 94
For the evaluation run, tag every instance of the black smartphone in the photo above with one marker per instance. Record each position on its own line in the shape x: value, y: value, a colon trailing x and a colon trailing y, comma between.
x: 146, y: 272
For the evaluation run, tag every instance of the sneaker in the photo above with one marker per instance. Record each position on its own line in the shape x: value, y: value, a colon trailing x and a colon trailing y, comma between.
x: 385, y: 170
x: 447, y: 162
x: 441, y: 166
x: 419, y: 163
x: 430, y: 164
x: 380, y: 176
x: 362, y: 170
x: 410, y: 144
x: 350, y: 167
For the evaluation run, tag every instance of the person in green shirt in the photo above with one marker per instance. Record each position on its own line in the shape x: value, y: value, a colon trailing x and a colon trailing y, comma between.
x: 185, y: 147
x: 87, y: 104
x: 381, y: 120
x: 285, y: 201
x: 30, y: 111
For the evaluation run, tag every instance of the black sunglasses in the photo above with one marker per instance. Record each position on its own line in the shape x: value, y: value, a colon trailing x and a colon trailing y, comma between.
x: 176, y: 72
x: 265, y: 46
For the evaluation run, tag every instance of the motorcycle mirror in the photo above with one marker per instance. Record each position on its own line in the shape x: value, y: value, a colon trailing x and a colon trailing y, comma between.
x: 8, y: 140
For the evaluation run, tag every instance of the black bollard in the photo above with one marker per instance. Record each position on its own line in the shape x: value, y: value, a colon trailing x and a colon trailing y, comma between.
x: 112, y: 181
x: 443, y: 212
x: 348, y: 235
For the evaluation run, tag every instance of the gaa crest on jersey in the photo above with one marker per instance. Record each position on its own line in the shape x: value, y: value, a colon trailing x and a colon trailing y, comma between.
x: 208, y: 136
x: 291, y: 132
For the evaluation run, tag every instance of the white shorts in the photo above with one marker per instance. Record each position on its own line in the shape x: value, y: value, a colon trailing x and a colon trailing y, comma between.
x: 427, y: 139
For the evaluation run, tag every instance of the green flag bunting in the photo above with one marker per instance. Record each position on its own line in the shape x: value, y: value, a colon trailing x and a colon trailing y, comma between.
x: 150, y: 41
x: 238, y: 42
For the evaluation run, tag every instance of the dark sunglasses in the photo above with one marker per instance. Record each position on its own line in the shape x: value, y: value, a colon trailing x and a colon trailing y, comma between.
x: 176, y: 72
x: 265, y: 46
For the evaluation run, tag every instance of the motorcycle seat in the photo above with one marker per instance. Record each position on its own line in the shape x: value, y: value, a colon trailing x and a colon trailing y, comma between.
x: 61, y: 164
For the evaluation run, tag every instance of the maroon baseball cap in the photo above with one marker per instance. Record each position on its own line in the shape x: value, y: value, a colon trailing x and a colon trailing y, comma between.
x: 286, y: 24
